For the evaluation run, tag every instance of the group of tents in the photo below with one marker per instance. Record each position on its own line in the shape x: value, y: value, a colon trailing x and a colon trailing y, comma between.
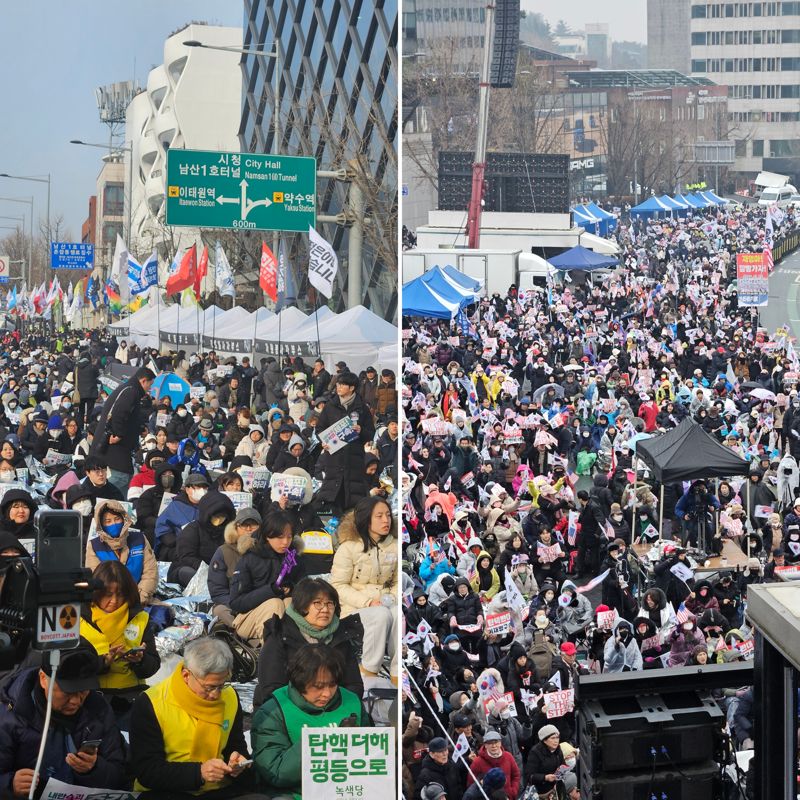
x: 680, y: 204
x: 357, y: 336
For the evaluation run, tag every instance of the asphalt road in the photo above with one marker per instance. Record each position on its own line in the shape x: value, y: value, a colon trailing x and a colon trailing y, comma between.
x: 784, y: 296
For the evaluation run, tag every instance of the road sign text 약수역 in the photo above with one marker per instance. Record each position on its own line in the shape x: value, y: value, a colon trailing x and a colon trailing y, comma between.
x: 241, y: 191
x: 71, y: 255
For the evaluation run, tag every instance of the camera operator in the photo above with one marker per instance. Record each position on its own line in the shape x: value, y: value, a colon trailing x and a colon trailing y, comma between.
x: 696, y: 509
x: 80, y: 714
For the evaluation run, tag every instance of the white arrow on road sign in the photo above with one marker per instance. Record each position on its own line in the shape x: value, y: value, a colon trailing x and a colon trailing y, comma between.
x: 222, y: 200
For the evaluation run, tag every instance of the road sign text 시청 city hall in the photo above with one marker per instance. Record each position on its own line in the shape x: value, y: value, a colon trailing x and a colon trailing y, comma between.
x: 241, y: 191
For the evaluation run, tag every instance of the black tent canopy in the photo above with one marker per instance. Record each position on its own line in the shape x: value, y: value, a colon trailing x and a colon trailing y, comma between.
x: 688, y: 453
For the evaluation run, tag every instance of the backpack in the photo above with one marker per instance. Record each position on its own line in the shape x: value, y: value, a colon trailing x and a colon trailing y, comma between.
x: 245, y: 657
x: 541, y: 655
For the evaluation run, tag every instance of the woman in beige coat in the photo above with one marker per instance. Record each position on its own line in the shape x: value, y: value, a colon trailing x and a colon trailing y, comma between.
x: 364, y: 574
x: 115, y: 541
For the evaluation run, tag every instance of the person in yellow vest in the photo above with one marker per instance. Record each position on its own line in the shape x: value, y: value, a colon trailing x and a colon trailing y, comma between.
x: 119, y: 630
x: 313, y: 698
x: 187, y: 732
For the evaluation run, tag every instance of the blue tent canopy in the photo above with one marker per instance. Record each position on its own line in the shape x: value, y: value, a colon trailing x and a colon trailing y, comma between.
x: 673, y: 203
x: 420, y: 300
x: 686, y: 198
x: 700, y: 201
x: 712, y: 198
x: 581, y: 259
x: 609, y: 221
x: 462, y: 279
x: 583, y: 215
x: 650, y: 206
x: 447, y: 288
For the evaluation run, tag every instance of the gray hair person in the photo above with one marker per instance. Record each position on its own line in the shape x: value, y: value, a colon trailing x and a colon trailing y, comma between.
x: 207, y: 656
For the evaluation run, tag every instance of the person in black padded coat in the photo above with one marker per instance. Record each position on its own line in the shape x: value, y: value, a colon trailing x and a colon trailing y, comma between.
x: 312, y: 618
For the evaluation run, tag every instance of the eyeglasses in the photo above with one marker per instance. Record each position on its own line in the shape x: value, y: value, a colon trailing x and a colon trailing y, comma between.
x: 323, y: 605
x: 205, y: 688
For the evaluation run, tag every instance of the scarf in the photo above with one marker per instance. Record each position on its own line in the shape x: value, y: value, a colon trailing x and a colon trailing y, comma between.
x: 111, y: 625
x: 208, y: 715
x: 322, y: 636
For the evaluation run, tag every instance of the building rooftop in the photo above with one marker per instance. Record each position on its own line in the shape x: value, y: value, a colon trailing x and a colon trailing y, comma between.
x: 633, y: 78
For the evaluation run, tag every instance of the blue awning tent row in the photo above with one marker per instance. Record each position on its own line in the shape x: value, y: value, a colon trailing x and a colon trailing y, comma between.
x: 594, y: 219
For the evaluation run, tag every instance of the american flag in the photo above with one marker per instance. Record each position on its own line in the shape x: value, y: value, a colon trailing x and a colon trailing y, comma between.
x: 682, y: 614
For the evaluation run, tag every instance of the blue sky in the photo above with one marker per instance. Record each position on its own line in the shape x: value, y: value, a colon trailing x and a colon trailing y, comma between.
x: 53, y: 57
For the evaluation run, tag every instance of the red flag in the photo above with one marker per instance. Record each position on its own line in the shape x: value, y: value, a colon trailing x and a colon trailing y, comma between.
x: 268, y: 273
x: 184, y: 277
x: 202, y: 270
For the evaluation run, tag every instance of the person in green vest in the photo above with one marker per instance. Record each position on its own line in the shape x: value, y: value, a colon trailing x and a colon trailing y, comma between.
x: 313, y: 698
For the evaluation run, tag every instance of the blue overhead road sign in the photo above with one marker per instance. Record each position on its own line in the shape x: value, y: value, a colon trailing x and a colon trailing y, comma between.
x: 71, y: 255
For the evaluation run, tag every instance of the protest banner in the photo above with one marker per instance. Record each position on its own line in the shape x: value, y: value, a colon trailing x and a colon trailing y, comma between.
x: 291, y: 486
x: 556, y: 704
x: 254, y: 478
x: 752, y: 279
x: 491, y: 699
x: 197, y: 392
x: 240, y: 500
x: 53, y: 458
x: 548, y: 554
x: 498, y: 624
x: 348, y: 763
x: 338, y: 435
x: 436, y: 426
x: 58, y: 790
x: 215, y: 464
x: 606, y: 619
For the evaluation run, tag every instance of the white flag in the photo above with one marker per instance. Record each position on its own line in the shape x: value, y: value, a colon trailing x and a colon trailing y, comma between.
x: 322, y: 264
x: 514, y: 599
x: 119, y: 269
x: 223, y: 275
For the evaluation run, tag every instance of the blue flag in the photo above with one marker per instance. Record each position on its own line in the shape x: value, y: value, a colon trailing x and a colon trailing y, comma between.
x: 91, y: 291
x: 142, y: 276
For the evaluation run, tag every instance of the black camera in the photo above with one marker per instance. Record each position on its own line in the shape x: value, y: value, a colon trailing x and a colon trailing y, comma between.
x: 41, y: 596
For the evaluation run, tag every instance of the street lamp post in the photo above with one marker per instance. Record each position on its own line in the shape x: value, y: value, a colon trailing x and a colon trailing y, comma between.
x: 30, y: 238
x: 35, y: 179
x: 276, y: 116
x: 116, y: 151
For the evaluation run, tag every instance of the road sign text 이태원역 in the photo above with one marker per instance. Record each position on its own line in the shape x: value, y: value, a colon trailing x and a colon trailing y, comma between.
x: 71, y: 255
x: 241, y: 191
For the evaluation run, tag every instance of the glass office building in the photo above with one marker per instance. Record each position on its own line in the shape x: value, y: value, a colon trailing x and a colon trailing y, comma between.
x: 338, y: 103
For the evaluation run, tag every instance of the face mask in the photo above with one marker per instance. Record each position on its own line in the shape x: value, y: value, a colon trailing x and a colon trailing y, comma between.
x: 617, y: 517
x: 197, y: 494
x: 687, y: 626
x: 182, y: 412
x: 113, y: 530
x: 150, y: 446
x: 454, y: 646
x: 56, y: 432
x: 83, y: 507
x: 7, y: 475
x: 168, y: 480
x: 505, y: 714
x: 12, y: 405
x: 66, y: 406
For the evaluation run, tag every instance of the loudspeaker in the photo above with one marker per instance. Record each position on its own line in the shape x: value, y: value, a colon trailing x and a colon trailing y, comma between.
x: 622, y: 733
x: 695, y: 782
x: 505, y: 46
x: 515, y: 182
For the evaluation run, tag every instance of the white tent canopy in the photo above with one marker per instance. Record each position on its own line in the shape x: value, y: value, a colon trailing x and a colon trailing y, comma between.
x: 360, y: 338
x: 184, y: 328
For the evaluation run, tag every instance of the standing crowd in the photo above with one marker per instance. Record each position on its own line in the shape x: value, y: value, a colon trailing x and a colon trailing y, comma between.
x: 536, y: 549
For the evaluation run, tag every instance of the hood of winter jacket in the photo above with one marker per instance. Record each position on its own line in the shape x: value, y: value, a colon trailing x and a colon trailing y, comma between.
x: 114, y: 542
x: 658, y: 595
x: 165, y: 466
x: 214, y: 502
